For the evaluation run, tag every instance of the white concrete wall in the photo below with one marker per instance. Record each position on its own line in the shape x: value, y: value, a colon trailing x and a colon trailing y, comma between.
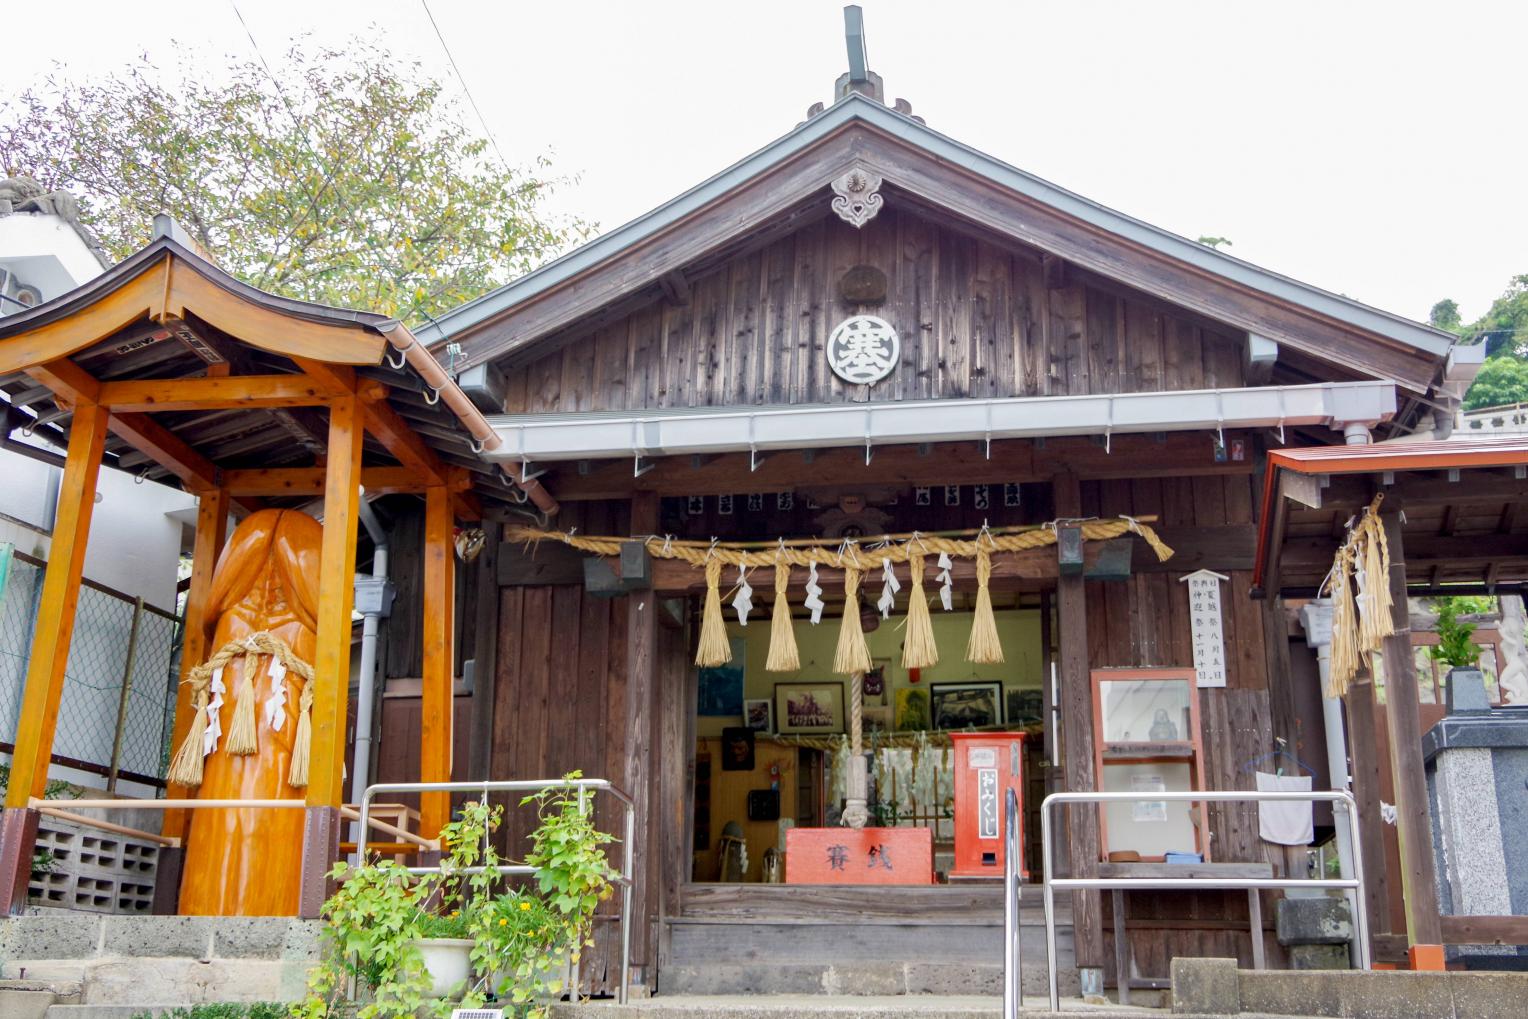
x: 46, y: 252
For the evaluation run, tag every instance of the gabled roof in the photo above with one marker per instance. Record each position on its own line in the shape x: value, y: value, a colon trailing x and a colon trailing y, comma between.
x: 938, y: 169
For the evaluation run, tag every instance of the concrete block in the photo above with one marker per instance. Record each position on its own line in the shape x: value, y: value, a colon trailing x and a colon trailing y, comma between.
x: 865, y: 979
x: 50, y: 936
x: 1314, y: 921
x: 30, y: 999
x: 192, y: 982
x: 180, y: 937
x: 1327, y: 957
x: 771, y: 978
x: 1396, y: 994
x: 1206, y: 986
x: 953, y: 978
x: 1286, y: 993
x: 266, y: 937
x: 1486, y: 994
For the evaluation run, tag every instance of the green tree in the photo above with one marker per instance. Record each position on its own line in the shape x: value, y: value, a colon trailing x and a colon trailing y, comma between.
x: 1502, y: 379
x: 345, y: 176
x: 1445, y: 315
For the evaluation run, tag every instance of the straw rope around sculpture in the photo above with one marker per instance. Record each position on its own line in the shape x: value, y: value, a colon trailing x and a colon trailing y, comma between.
x: 186, y: 768
x: 1359, y: 586
x: 852, y: 654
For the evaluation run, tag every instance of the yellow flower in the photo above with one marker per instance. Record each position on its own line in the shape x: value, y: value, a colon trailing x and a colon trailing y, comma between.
x: 503, y: 921
x: 525, y: 907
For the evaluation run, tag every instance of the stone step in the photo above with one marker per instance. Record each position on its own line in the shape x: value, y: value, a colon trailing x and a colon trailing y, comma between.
x: 113, y: 1011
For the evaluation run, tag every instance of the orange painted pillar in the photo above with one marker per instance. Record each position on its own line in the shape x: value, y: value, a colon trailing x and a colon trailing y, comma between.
x: 331, y: 660
x: 50, y: 649
x: 435, y: 736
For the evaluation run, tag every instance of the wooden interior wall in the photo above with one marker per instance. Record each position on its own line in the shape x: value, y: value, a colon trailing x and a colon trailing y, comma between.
x: 975, y: 319
x: 1144, y: 621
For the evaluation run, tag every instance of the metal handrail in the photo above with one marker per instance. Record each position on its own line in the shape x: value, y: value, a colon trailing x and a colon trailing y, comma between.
x: 1340, y: 801
x: 1013, y: 963
x: 583, y: 785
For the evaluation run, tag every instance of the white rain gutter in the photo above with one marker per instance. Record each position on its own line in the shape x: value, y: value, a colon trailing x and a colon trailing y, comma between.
x: 529, y: 438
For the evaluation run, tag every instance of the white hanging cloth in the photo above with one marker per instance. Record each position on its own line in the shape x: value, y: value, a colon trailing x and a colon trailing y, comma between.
x: 889, y: 588
x: 813, y: 599
x: 275, y: 704
x: 743, y: 600
x: 1285, y: 822
x: 946, y: 583
x: 214, y: 712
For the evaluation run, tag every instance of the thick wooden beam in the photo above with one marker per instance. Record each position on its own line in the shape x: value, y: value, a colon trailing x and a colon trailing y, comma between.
x: 1413, y: 826
x: 229, y: 392
x: 1364, y: 761
x: 309, y: 481
x: 439, y: 660
x: 1178, y: 454
x: 55, y: 615
x: 1077, y: 739
x: 211, y: 535
x: 642, y: 735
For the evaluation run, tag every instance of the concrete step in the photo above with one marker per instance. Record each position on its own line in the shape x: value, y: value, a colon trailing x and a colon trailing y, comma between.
x: 855, y: 1007
x: 853, y: 979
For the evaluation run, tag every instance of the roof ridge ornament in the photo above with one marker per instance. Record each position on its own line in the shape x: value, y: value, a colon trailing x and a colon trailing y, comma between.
x: 856, y: 195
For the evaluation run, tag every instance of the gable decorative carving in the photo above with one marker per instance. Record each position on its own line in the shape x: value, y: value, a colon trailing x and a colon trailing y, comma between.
x: 856, y: 196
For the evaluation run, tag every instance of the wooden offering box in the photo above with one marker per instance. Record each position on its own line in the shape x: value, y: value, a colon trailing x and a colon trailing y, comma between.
x: 869, y: 856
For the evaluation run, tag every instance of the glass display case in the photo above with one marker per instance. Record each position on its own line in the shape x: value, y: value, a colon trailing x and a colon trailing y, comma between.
x: 1146, y: 739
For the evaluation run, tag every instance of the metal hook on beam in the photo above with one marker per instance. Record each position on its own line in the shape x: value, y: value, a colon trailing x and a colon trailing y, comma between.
x: 432, y: 395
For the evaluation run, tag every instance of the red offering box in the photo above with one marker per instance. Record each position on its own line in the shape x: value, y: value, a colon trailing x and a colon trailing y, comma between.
x: 869, y: 856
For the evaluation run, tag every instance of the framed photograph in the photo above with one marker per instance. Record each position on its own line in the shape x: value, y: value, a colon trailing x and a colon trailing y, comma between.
x: 809, y: 708
x: 759, y: 715
x: 1024, y: 707
x: 877, y: 719
x: 737, y: 749
x: 912, y: 709
x: 966, y: 705
x: 721, y: 686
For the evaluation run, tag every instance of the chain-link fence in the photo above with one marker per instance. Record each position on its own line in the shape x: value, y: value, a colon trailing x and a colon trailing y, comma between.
x: 118, y: 703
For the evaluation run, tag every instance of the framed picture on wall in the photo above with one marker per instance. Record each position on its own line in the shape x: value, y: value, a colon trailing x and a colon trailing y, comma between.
x: 1025, y: 707
x: 720, y: 693
x: 966, y: 705
x: 912, y: 709
x: 809, y: 708
x: 759, y: 715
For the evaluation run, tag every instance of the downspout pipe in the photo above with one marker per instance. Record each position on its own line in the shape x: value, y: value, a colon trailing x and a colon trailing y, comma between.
x: 374, y: 596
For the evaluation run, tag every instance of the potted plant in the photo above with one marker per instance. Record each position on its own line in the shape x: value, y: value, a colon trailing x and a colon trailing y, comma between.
x: 407, y: 942
x: 1461, y: 654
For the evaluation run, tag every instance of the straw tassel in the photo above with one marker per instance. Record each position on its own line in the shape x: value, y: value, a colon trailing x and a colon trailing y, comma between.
x: 302, y: 740
x: 186, y: 768
x: 783, y: 656
x: 1345, y: 651
x: 1375, y: 619
x: 241, y: 733
x: 918, y: 648
x: 714, y: 649
x: 984, y: 648
x: 853, y: 653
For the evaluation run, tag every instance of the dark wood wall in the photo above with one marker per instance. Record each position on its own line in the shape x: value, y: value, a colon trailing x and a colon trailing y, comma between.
x: 975, y: 318
x: 1144, y: 621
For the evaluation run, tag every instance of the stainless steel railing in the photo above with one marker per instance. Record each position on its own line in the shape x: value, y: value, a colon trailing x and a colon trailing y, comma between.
x: 1341, y: 801
x: 584, y: 786
x: 1013, y: 963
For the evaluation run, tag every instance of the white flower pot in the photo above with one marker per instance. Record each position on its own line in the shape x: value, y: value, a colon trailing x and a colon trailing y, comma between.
x: 449, y: 963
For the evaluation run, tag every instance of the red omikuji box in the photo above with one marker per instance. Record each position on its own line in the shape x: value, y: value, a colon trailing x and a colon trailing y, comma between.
x: 869, y: 856
x: 987, y: 765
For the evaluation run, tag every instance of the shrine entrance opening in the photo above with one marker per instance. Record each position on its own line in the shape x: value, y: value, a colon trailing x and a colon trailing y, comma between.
x: 772, y: 751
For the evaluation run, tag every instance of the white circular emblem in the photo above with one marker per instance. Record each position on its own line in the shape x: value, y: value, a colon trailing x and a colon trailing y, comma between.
x: 863, y: 349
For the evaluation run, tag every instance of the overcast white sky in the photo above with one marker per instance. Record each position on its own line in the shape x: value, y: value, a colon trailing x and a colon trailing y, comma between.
x: 1372, y: 148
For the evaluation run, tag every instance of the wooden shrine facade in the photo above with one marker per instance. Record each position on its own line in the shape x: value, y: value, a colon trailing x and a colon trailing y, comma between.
x: 648, y: 378
x: 169, y: 368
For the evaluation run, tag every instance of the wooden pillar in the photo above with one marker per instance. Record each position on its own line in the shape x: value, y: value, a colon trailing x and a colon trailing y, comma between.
x: 439, y: 626
x: 641, y: 742
x: 1077, y: 745
x: 1419, y: 880
x: 50, y: 650
x: 211, y: 535
x: 1363, y: 766
x: 331, y: 659
x: 485, y: 651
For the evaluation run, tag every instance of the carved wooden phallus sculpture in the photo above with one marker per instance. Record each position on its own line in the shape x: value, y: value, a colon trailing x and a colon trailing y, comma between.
x: 250, y: 732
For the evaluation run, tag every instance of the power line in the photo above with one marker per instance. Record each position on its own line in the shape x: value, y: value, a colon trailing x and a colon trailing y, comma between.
x: 458, y: 71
